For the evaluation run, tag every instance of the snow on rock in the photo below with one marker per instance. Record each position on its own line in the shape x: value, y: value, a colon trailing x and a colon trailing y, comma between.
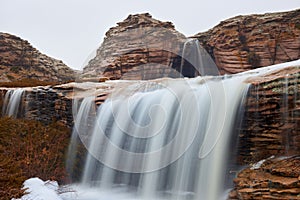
x: 259, y: 163
x: 37, y: 189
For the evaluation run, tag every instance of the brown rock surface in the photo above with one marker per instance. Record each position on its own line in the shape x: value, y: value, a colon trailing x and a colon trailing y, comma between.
x: 138, y: 48
x: 49, y: 104
x: 245, y: 42
x: 274, y: 179
x: 271, y: 119
x: 19, y: 60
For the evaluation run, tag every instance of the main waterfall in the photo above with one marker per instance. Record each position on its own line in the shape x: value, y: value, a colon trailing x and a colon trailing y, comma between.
x: 162, y: 139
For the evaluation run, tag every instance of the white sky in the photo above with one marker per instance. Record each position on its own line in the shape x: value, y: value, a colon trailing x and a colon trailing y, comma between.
x: 70, y: 30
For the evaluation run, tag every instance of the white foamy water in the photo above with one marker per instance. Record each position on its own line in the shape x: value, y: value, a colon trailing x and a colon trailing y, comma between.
x: 12, y: 101
x: 167, y: 141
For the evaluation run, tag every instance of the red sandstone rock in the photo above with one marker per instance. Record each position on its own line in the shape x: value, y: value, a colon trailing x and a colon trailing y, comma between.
x: 271, y: 120
x: 245, y: 42
x: 138, y: 48
x: 274, y: 179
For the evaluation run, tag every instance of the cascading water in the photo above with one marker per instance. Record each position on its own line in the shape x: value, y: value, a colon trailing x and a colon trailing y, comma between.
x: 164, y: 142
x: 83, y: 125
x: 12, y: 102
x: 196, y: 56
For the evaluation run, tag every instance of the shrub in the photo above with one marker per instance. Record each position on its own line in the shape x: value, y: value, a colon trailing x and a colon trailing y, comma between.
x: 30, y: 149
x: 26, y: 83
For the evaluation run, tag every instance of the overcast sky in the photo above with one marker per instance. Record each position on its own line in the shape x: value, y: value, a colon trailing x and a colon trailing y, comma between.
x: 70, y: 30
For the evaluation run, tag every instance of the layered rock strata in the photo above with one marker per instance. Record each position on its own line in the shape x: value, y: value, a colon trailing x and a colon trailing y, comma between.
x: 138, y: 48
x: 277, y: 178
x: 246, y: 42
x: 271, y: 119
x: 141, y: 47
x: 19, y: 60
x: 49, y: 104
x: 45, y: 105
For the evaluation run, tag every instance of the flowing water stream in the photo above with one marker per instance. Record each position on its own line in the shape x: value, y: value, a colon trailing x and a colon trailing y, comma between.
x: 167, y: 141
x: 12, y: 101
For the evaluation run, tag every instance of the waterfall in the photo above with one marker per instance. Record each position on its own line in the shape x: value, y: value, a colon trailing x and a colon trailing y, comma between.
x: 168, y: 140
x: 12, y: 102
x: 83, y: 125
x: 196, y: 61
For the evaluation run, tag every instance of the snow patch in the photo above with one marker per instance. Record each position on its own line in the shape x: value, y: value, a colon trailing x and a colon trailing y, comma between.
x: 37, y: 189
x: 259, y: 163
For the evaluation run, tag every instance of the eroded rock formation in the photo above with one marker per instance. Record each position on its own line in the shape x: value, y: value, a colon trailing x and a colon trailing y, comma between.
x: 271, y: 120
x: 246, y: 42
x: 270, y: 127
x: 277, y: 178
x: 19, y: 60
x: 141, y: 47
x: 45, y: 104
x: 49, y: 104
x: 138, y: 48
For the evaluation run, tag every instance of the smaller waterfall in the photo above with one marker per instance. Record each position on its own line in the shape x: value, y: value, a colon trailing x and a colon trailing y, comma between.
x: 195, y: 55
x: 12, y: 102
x: 84, y: 121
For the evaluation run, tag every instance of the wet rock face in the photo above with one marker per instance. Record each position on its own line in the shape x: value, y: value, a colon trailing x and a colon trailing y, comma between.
x: 246, y: 42
x: 44, y: 104
x: 47, y: 105
x: 277, y: 178
x: 271, y: 119
x: 138, y: 48
x: 19, y: 60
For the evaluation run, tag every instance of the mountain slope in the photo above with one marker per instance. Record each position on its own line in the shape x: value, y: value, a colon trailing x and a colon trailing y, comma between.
x: 19, y: 60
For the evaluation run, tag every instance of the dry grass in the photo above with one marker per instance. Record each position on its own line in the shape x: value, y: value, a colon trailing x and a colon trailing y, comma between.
x: 29, y: 83
x: 30, y: 149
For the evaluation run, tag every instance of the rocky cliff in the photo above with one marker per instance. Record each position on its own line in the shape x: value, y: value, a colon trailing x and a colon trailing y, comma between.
x: 141, y: 47
x: 270, y: 128
x: 271, y: 119
x: 272, y: 178
x: 19, y: 60
x: 246, y: 42
x: 138, y: 48
x: 48, y: 104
